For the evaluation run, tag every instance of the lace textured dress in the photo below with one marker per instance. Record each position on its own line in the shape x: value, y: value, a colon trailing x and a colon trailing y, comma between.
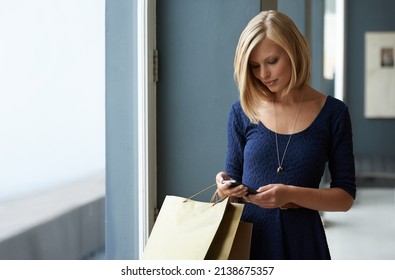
x: 252, y: 159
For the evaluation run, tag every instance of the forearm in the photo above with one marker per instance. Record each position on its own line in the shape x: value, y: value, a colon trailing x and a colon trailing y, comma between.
x: 329, y: 199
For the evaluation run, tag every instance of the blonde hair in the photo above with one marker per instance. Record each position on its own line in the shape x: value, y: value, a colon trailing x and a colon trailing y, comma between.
x: 279, y: 28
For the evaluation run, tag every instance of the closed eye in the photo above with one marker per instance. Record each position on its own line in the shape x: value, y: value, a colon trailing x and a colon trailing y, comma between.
x: 272, y: 61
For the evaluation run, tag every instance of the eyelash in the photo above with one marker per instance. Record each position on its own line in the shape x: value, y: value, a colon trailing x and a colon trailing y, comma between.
x: 270, y: 62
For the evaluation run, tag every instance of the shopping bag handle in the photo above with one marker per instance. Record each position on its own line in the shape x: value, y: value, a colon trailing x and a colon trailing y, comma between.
x: 212, y: 198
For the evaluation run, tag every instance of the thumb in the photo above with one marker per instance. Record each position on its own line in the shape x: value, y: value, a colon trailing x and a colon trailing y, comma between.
x: 265, y: 188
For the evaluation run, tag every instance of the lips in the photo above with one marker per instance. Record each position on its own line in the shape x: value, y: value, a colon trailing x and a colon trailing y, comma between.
x: 270, y: 83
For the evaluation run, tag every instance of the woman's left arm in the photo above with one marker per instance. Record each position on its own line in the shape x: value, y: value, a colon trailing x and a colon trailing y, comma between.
x: 341, y: 194
x: 279, y: 195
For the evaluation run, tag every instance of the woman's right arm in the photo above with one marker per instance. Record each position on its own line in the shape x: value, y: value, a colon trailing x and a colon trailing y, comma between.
x: 234, y: 157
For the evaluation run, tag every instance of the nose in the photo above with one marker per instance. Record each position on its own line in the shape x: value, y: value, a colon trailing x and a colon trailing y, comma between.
x: 264, y: 73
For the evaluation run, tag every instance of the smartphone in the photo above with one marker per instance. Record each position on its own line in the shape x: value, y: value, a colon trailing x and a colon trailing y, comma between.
x: 235, y: 183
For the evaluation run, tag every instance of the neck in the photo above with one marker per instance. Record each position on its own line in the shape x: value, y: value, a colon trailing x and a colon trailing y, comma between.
x: 290, y: 98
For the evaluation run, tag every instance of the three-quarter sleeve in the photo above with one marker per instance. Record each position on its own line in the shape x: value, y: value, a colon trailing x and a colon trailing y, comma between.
x: 236, y: 142
x: 341, y: 156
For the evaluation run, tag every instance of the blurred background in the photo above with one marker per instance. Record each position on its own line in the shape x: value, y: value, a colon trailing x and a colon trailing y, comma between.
x: 52, y: 123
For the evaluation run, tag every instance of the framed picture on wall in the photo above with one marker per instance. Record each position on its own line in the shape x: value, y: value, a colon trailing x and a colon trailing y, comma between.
x: 379, y: 75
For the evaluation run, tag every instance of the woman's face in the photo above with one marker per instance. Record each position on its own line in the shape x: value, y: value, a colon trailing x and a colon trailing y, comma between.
x: 271, y: 65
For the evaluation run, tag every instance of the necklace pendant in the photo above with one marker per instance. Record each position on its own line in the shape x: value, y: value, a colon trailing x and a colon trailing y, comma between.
x: 280, y: 170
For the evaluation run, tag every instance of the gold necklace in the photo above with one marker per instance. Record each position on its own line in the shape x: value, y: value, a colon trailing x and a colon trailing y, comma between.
x: 280, y: 168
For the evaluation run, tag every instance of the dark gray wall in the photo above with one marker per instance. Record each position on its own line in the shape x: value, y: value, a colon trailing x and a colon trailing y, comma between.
x: 372, y: 137
x: 196, y: 42
x: 295, y: 9
x: 308, y: 17
x: 317, y: 45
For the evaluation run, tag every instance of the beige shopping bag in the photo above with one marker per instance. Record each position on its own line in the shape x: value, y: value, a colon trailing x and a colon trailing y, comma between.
x: 194, y: 230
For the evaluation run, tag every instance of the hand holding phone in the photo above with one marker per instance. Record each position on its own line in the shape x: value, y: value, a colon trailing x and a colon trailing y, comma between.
x: 235, y: 183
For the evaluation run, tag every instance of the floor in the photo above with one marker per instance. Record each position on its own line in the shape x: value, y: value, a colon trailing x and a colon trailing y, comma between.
x: 367, y: 230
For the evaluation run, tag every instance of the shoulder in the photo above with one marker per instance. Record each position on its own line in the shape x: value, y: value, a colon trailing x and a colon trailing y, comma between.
x: 236, y: 110
x: 337, y: 115
x: 336, y: 104
x: 237, y: 117
x: 236, y: 106
x: 321, y: 100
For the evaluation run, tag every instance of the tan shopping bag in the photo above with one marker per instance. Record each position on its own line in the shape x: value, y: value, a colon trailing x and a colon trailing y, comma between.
x: 194, y: 230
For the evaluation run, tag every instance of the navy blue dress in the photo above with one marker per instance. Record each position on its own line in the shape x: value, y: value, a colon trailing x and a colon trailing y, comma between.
x: 252, y: 159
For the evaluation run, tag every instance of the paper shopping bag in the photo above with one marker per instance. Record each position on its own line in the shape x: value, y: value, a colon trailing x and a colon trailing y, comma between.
x: 189, y: 229
x: 233, y: 238
x: 242, y: 243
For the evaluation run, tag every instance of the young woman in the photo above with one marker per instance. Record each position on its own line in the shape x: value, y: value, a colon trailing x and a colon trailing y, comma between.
x: 281, y: 135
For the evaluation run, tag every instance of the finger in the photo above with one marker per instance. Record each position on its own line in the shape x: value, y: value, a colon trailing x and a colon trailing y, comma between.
x: 265, y: 188
x: 221, y: 176
x: 239, y: 191
x: 246, y: 198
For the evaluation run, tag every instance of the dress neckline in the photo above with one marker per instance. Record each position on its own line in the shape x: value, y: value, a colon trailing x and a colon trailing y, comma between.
x: 323, y: 109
